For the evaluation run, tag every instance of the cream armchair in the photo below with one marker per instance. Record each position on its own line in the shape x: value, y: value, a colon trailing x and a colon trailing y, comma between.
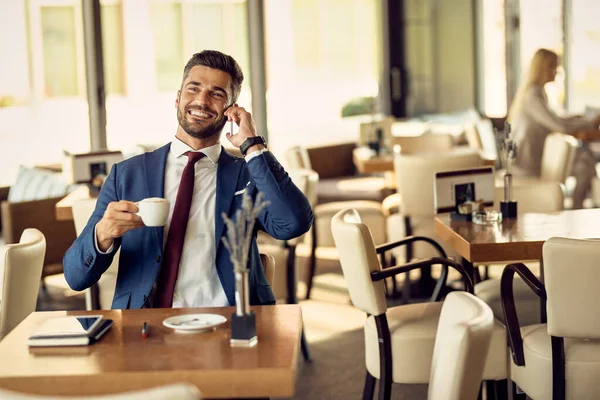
x: 557, y: 160
x: 415, y: 174
x: 20, y: 276
x: 462, y: 342
x: 560, y: 359
x: 399, y: 341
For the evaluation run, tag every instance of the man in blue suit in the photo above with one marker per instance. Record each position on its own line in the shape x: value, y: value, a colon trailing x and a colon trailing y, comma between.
x: 205, y: 102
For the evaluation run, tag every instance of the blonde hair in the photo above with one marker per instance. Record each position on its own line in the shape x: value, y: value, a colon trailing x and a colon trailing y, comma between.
x: 541, y: 63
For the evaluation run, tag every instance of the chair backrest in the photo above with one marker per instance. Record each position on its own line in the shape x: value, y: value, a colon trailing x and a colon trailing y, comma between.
x: 268, y: 264
x: 557, y: 157
x: 536, y: 197
x: 297, y: 158
x: 572, y: 280
x: 20, y: 274
x: 415, y: 176
x: 307, y: 181
x: 175, y: 391
x: 472, y: 136
x: 487, y: 137
x: 427, y: 142
x: 82, y: 210
x: 358, y: 259
x: 461, y: 346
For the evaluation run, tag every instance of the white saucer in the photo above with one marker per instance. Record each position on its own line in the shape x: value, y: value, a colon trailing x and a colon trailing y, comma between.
x: 194, y: 322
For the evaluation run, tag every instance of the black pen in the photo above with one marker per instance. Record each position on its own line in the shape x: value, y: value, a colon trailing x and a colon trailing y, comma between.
x: 145, y: 330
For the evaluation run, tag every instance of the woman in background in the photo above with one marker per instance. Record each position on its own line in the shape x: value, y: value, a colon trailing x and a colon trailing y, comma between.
x: 532, y: 120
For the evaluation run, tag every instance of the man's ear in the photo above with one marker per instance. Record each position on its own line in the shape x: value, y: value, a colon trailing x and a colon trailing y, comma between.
x: 177, y: 99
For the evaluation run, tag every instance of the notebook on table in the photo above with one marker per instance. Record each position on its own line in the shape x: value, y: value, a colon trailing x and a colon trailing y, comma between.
x: 70, y: 331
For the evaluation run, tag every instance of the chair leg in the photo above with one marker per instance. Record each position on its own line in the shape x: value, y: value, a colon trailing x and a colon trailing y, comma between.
x: 490, y: 390
x: 558, y: 368
x: 496, y: 390
x: 385, y: 388
x: 305, y: 348
x: 292, y: 298
x: 312, y: 260
x: 385, y: 357
x: 369, y: 388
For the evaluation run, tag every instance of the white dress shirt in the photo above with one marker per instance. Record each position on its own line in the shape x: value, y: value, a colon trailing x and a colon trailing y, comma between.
x: 198, y: 284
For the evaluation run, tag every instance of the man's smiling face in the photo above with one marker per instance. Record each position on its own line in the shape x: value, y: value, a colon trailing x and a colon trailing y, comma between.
x: 203, y: 98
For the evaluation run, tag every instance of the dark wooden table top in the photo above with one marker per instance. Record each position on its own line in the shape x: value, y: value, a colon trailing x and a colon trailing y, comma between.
x: 516, y: 239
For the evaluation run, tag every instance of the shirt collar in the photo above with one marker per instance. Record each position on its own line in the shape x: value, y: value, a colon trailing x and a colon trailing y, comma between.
x: 212, y: 153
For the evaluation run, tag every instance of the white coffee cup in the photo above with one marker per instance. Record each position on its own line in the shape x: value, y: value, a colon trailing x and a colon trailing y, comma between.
x: 153, y: 211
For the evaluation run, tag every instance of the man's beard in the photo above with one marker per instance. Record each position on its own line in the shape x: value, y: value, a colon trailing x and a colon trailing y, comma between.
x: 201, y: 132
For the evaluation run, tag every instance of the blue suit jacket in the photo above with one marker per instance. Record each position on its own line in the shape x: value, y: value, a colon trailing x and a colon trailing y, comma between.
x: 287, y: 216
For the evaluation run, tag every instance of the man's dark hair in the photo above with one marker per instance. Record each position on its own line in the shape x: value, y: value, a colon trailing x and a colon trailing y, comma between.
x: 217, y: 60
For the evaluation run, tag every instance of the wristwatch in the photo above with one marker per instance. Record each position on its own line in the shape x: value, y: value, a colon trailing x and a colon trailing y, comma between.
x: 251, y: 141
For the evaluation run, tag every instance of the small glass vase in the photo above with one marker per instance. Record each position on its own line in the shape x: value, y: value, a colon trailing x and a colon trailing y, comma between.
x: 508, y: 207
x: 242, y: 293
x: 243, y: 322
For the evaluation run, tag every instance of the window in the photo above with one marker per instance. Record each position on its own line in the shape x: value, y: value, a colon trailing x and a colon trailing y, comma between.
x: 584, y: 56
x: 542, y: 27
x: 321, y: 54
x: 168, y: 45
x: 57, y: 48
x: 182, y: 28
x: 112, y: 47
x: 494, y: 58
x: 59, y: 51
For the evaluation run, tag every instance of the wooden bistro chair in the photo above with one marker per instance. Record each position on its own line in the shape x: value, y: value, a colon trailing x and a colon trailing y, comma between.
x: 559, y: 359
x: 399, y: 341
x: 20, y: 276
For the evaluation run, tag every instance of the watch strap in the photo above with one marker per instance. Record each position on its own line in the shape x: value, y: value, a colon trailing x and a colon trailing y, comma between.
x: 251, y: 142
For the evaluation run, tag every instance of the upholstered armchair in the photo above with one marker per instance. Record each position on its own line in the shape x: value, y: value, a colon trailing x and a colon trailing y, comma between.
x: 559, y: 359
x: 414, y: 202
x: 338, y: 180
x: 399, y: 341
x: 20, y: 272
x: 462, y: 343
x: 30, y: 203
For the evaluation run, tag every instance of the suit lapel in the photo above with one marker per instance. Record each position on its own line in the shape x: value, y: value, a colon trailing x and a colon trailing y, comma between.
x: 228, y: 172
x: 154, y: 170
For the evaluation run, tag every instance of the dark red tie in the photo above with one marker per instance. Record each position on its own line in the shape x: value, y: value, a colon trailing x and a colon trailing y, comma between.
x: 179, y: 220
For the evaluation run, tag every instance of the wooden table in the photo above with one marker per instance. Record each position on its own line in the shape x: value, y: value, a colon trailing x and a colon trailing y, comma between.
x: 123, y: 361
x: 63, y: 208
x: 515, y: 239
x: 385, y: 162
x: 588, y: 136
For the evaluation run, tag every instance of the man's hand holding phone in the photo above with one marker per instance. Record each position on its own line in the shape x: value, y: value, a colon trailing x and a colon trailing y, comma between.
x: 247, y: 127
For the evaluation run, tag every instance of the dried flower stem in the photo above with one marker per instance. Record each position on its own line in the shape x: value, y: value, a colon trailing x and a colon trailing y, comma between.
x: 239, y: 233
